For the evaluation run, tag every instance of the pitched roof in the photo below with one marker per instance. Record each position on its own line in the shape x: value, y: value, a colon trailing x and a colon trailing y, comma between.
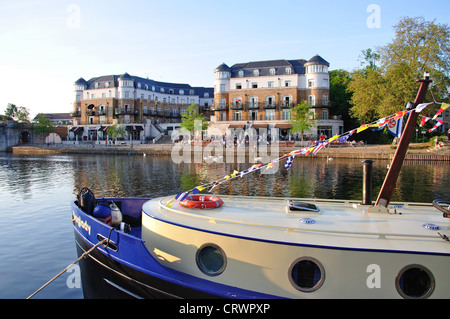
x: 264, y: 67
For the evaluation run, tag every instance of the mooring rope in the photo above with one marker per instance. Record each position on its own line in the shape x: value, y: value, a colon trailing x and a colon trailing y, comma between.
x: 65, y: 269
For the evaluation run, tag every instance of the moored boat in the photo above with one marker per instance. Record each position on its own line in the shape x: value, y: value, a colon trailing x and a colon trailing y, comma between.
x: 252, y: 247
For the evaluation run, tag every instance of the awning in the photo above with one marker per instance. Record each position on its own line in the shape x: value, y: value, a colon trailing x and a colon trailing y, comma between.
x: 73, y: 129
x: 284, y: 126
x: 237, y: 126
x: 260, y: 126
x: 131, y: 128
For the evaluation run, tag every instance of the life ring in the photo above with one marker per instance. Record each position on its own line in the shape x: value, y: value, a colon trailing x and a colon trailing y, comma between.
x: 202, y: 201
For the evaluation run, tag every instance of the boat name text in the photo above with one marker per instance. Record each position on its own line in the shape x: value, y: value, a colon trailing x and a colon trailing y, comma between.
x: 82, y: 224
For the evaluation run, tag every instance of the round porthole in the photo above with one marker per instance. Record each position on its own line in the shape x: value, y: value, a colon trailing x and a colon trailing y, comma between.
x: 211, y: 259
x: 306, y: 274
x: 415, y: 281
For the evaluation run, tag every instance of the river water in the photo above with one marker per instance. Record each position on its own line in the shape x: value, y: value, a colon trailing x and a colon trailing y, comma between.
x: 36, y: 235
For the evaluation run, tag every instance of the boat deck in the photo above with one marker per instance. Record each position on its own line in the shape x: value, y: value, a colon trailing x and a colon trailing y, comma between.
x: 344, y: 224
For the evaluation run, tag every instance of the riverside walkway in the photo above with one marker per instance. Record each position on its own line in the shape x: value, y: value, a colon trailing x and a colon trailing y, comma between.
x: 354, y: 152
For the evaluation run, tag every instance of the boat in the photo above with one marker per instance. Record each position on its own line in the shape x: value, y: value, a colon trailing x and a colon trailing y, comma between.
x: 239, y: 247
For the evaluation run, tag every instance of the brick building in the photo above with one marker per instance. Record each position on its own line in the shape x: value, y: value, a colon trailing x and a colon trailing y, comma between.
x: 144, y: 107
x: 261, y: 94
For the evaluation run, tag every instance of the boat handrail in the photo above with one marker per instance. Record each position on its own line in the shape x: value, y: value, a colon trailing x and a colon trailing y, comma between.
x: 214, y: 220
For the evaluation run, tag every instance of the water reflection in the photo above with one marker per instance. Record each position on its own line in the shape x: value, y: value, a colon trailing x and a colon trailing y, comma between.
x: 152, y: 176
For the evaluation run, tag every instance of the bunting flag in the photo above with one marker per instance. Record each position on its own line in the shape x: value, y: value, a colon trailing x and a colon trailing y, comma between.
x: 393, y: 122
x: 395, y: 125
x: 424, y: 120
x: 182, y: 196
x: 443, y: 107
x: 169, y: 203
x: 420, y: 107
x: 319, y: 147
x: 289, y: 162
x: 439, y: 123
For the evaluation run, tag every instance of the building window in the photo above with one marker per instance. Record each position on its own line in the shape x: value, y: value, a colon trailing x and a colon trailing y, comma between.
x: 312, y: 100
x: 288, y: 71
x: 223, y: 102
x: 287, y: 114
x: 206, y: 95
x: 223, y: 116
x: 270, y: 101
x: 255, y: 72
x: 253, y: 115
x: 272, y: 71
x: 191, y: 92
x: 237, y: 115
x: 271, y: 84
x: 107, y: 84
x: 238, y: 86
x: 253, y: 102
x: 287, y: 100
x: 103, y: 95
x: 325, y: 83
x: 241, y: 74
x: 127, y: 94
x: 287, y: 83
x: 222, y: 88
x: 324, y: 114
x: 270, y: 115
x: 181, y: 92
x: 310, y: 83
x: 97, y: 85
x: 254, y: 85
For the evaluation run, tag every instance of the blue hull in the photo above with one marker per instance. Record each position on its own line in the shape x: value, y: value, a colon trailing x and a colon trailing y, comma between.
x: 126, y: 269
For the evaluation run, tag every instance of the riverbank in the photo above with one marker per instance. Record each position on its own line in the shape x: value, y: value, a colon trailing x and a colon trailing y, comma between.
x: 416, y: 151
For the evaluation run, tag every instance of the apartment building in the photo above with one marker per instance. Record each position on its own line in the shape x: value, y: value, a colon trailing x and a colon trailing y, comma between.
x: 142, y: 106
x: 261, y: 94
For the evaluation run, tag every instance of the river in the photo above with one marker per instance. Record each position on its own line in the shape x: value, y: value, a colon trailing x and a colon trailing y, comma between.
x: 36, y: 233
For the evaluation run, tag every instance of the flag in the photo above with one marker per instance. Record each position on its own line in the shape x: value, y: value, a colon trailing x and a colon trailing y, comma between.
x: 289, y: 162
x: 319, y: 147
x: 333, y: 138
x: 182, y: 196
x: 362, y: 128
x: 395, y: 125
x: 424, y: 120
x: 420, y: 107
x: 443, y: 107
x: 379, y: 125
x: 198, y: 189
x: 344, y: 138
x: 439, y: 123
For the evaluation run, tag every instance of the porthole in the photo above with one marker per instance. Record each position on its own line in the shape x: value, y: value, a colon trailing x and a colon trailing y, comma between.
x: 415, y: 281
x: 306, y: 274
x: 211, y: 259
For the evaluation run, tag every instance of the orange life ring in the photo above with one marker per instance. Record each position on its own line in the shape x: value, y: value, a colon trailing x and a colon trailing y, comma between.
x: 202, y: 201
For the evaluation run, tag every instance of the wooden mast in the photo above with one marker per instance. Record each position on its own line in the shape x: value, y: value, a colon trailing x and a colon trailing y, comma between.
x: 387, y: 189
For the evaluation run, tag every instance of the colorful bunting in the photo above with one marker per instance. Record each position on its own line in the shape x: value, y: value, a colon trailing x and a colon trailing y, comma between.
x: 393, y: 122
x: 443, y: 107
x: 439, y: 123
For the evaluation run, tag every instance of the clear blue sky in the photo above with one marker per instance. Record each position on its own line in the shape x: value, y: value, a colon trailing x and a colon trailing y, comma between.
x: 46, y: 45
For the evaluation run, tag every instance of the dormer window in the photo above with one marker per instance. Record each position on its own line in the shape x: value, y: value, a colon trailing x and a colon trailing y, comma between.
x: 97, y: 85
x: 241, y: 74
x: 191, y: 92
x: 106, y: 84
x: 255, y: 72
x: 288, y: 71
x: 181, y: 92
x: 272, y: 71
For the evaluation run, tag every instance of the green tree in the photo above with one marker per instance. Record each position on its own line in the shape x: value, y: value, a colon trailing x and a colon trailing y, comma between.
x: 341, y: 96
x: 20, y: 114
x: 43, y: 125
x: 188, y: 119
x: 115, y: 131
x: 301, y: 118
x: 387, y: 82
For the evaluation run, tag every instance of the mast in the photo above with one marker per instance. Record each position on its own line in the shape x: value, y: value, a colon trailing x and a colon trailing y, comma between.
x: 387, y: 189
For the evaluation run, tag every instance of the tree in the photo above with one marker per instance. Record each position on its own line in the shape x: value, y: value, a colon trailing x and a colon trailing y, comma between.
x: 301, y: 118
x: 115, y: 131
x: 20, y: 114
x: 192, y: 115
x: 341, y: 96
x: 387, y: 82
x: 44, y: 125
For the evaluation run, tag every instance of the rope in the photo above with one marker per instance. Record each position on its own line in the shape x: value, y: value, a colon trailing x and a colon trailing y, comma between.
x: 65, y: 269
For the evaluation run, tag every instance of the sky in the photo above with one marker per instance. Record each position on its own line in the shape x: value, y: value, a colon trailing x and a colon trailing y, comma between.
x: 46, y: 45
